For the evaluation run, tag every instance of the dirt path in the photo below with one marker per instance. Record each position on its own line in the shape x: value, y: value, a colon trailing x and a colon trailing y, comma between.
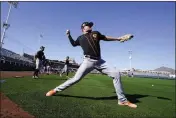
x: 11, y: 110
x: 8, y: 74
x: 8, y: 108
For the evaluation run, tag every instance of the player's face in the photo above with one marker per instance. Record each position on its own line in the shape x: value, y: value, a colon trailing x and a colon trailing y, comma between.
x: 86, y: 29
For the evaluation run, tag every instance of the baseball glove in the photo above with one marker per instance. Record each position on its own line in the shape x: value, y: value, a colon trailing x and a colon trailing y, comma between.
x: 126, y: 37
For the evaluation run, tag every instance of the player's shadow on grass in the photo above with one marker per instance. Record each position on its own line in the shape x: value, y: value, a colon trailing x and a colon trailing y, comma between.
x: 132, y: 98
x: 58, y: 79
x: 163, y: 98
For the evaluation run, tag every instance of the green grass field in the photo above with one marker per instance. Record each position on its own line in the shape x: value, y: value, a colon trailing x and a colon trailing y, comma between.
x: 92, y: 97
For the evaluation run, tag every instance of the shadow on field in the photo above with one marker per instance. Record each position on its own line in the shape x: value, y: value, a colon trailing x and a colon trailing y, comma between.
x: 141, y: 96
x: 132, y: 98
x: 54, y: 79
x: 163, y: 98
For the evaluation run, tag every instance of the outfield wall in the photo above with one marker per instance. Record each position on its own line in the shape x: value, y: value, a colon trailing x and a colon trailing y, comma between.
x: 152, y: 75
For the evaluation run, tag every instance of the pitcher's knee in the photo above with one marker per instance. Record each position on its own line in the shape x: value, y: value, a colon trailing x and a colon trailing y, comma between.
x: 116, y: 74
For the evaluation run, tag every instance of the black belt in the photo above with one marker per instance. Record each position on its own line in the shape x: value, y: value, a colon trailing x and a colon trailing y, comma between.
x: 92, y: 57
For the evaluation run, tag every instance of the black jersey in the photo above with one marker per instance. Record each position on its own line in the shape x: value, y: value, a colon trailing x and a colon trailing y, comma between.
x: 90, y: 43
x: 40, y: 55
x: 67, y: 62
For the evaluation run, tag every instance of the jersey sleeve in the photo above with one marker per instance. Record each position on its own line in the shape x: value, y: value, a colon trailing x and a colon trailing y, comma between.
x: 101, y: 36
x: 77, y: 41
x: 74, y: 43
x: 43, y: 57
x: 37, y: 54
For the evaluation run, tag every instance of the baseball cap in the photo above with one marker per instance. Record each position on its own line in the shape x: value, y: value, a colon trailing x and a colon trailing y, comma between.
x: 87, y: 24
x: 42, y: 47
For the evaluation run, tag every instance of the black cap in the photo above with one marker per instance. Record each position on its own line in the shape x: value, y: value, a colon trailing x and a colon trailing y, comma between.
x: 90, y: 24
x: 42, y: 47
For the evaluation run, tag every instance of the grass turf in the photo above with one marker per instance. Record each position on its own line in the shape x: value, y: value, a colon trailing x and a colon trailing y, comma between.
x: 92, y: 97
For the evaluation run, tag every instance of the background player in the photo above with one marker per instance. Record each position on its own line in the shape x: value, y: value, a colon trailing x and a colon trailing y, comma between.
x: 66, y: 66
x: 48, y: 68
x: 39, y: 58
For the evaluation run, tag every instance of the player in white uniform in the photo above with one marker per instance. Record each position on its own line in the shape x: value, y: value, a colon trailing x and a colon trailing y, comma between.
x: 48, y: 68
x: 65, y: 69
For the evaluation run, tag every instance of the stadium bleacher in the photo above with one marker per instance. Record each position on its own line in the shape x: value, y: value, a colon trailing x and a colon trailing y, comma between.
x: 14, y: 56
x: 31, y: 57
x: 11, y: 61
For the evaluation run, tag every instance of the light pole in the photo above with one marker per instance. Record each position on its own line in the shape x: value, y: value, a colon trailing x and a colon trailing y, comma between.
x: 5, y: 24
x: 130, y: 57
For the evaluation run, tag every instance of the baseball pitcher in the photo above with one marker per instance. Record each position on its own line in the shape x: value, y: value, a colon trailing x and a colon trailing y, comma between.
x: 90, y: 43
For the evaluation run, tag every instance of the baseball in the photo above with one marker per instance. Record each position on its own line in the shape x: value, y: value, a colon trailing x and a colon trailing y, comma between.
x: 152, y: 85
x: 68, y: 32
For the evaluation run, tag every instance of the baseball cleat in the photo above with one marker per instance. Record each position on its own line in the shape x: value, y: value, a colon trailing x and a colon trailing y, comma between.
x: 60, y: 75
x: 36, y: 77
x: 127, y: 103
x: 51, y: 93
x: 33, y: 77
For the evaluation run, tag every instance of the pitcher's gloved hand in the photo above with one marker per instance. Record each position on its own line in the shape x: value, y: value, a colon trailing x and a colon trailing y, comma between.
x: 125, y: 37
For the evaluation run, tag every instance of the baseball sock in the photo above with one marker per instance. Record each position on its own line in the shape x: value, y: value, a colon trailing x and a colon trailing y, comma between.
x: 35, y: 72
